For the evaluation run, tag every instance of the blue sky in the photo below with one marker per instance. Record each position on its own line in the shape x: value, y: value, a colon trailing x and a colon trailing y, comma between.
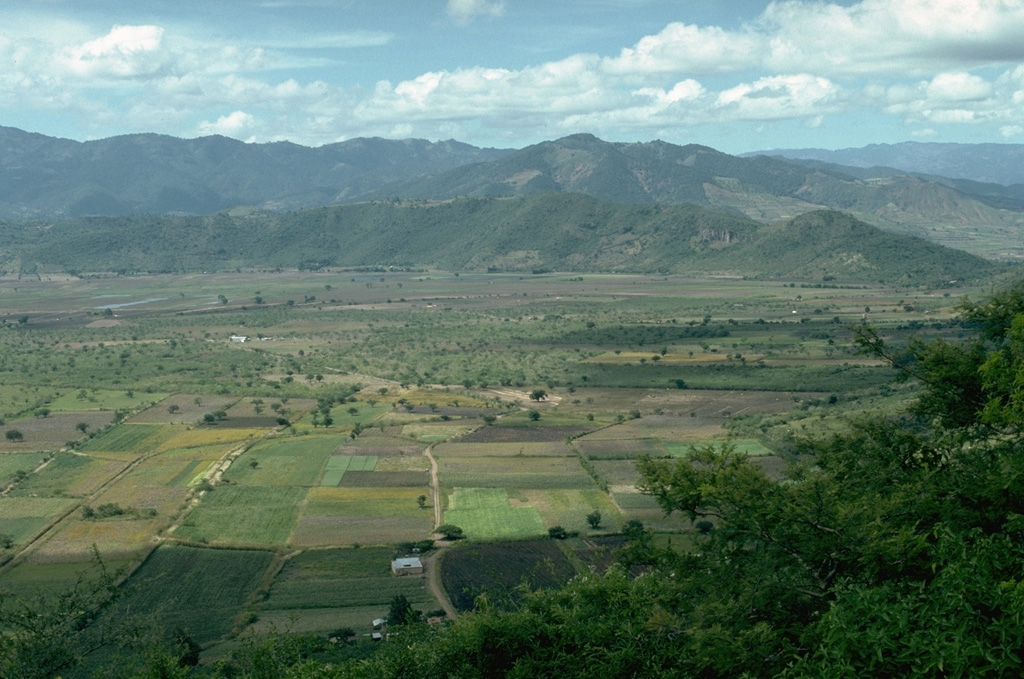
x: 737, y: 76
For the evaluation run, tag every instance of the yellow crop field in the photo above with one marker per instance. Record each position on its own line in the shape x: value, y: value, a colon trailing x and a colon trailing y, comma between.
x: 345, y: 516
x: 195, y: 438
x: 435, y: 432
x: 430, y: 397
x: 131, y: 495
x: 569, y: 508
x: 407, y: 463
x: 352, y: 502
x: 113, y: 538
x: 23, y: 517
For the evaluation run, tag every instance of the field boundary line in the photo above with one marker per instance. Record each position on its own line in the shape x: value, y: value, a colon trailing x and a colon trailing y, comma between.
x: 212, y: 476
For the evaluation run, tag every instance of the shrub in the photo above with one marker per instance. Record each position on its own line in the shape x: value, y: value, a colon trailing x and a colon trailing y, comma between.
x: 558, y: 533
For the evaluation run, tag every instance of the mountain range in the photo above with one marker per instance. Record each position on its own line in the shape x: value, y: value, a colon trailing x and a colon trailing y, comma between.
x: 573, y: 203
x: 989, y: 163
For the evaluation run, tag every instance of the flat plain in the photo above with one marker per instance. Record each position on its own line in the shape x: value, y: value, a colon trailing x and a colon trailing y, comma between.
x: 307, y: 451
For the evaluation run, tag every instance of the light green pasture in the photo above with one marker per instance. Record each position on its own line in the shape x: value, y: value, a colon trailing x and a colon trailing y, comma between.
x: 244, y: 515
x: 486, y: 513
x: 104, y: 399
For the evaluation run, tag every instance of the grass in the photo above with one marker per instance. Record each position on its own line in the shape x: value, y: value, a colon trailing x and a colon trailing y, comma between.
x: 244, y: 515
x: 365, y: 414
x: 486, y: 513
x: 104, y: 399
x: 12, y: 463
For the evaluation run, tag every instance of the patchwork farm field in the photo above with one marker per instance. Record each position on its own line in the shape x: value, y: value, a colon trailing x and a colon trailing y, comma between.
x: 199, y: 590
x: 362, y: 516
x: 489, y: 513
x: 243, y: 515
x: 326, y: 589
x: 325, y: 446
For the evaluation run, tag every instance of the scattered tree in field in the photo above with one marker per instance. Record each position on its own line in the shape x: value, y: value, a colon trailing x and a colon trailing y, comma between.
x: 173, y: 408
x: 401, y: 611
x: 450, y: 532
x: 558, y: 533
x: 421, y: 501
x: 254, y: 464
x: 82, y: 426
x: 42, y: 412
x: 6, y: 541
x: 594, y: 519
x: 14, y: 435
x: 538, y: 395
x: 533, y: 415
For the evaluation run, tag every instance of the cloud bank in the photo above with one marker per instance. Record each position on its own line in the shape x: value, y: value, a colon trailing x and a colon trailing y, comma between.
x: 922, y: 64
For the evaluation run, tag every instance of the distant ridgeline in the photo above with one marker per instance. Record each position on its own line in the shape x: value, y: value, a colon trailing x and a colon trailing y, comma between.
x: 548, y: 231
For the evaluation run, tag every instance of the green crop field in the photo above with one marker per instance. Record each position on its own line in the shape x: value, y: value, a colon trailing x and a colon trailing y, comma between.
x: 509, y: 449
x: 68, y: 475
x: 330, y: 588
x: 244, y: 515
x: 487, y: 513
x: 290, y: 461
x: 499, y: 570
x: 751, y: 447
x: 621, y: 449
x: 131, y: 438
x: 368, y: 516
x: 199, y: 590
x: 628, y: 365
x: 569, y: 508
x: 504, y: 472
x: 337, y: 465
x: 22, y: 517
x: 13, y: 463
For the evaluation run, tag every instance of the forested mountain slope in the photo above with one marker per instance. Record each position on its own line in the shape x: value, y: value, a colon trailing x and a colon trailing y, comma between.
x: 551, y: 231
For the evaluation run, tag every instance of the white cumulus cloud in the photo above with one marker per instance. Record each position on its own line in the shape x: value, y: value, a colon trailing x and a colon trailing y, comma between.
x: 682, y: 48
x: 464, y: 11
x: 238, y: 124
x: 124, y: 52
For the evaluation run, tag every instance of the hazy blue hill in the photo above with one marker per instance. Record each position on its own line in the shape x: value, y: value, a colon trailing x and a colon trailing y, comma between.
x: 150, y: 173
x: 549, y: 231
x: 987, y: 163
